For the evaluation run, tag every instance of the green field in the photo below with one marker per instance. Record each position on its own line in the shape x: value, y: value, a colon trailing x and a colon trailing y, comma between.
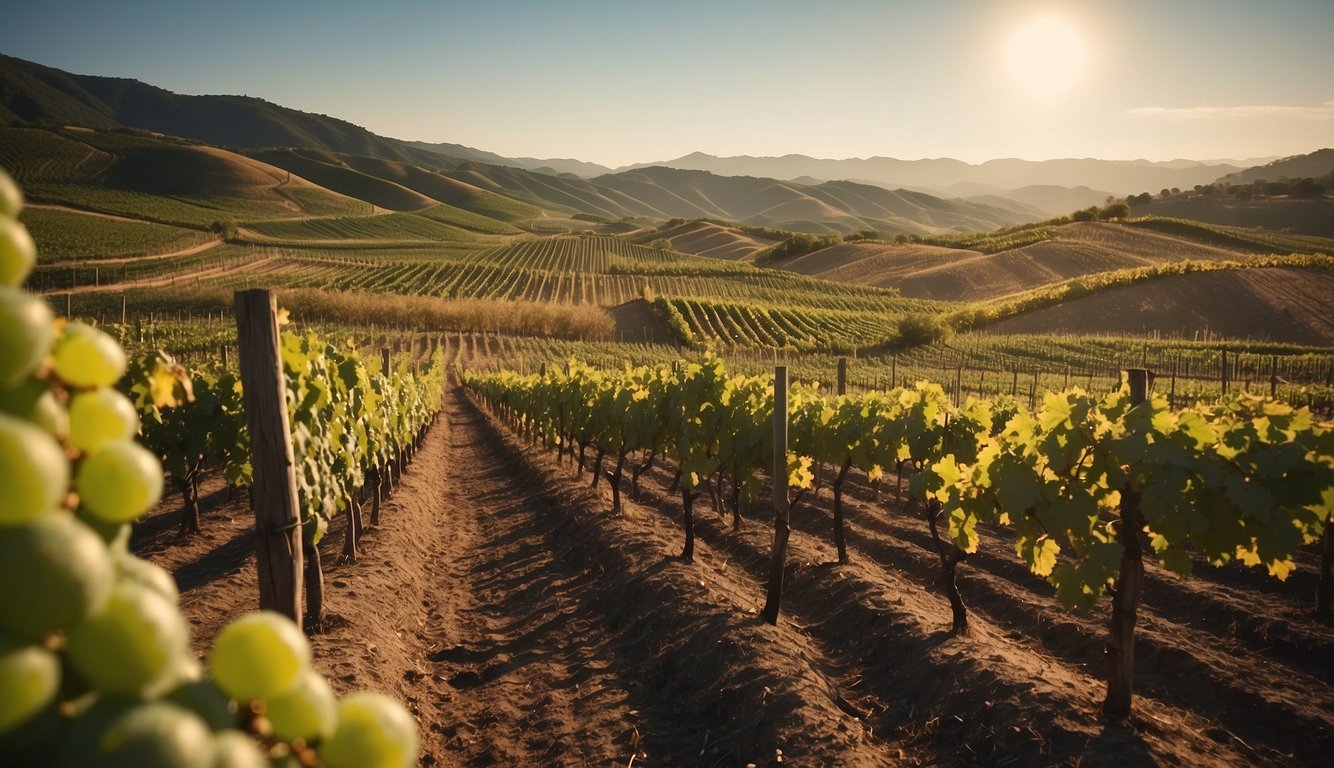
x: 68, y: 236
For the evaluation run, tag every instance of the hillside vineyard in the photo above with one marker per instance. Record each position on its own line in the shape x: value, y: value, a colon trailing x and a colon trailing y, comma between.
x: 324, y: 448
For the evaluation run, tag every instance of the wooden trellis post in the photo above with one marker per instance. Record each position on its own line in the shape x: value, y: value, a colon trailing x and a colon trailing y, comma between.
x: 273, y: 489
x: 782, y: 528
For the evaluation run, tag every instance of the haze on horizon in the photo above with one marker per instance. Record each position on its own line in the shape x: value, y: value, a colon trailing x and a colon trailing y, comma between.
x: 629, y: 82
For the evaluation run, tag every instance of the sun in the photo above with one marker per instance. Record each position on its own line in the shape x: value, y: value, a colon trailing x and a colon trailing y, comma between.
x: 1045, y: 56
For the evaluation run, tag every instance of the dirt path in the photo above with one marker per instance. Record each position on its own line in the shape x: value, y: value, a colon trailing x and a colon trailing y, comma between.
x: 567, y: 636
x: 524, y: 625
x: 528, y: 674
x: 172, y: 279
x: 90, y: 212
x: 187, y: 251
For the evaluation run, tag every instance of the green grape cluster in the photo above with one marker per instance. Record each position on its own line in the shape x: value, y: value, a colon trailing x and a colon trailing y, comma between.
x: 96, y: 666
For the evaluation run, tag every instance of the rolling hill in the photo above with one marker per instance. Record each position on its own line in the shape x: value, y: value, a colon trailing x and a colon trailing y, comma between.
x: 1074, y: 250
x: 159, y: 179
x: 32, y: 93
x: 1311, y: 165
x: 656, y: 193
x: 1050, y: 199
x: 841, y: 207
x: 710, y: 239
x: 1307, y: 217
x: 1280, y: 304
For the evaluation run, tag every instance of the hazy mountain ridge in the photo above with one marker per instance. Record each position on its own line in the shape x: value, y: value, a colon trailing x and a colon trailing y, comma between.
x: 1312, y: 165
x: 1119, y: 177
x: 831, y: 207
x: 554, y: 165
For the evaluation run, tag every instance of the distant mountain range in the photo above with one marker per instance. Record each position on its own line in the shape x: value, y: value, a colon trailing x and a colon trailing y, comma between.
x: 551, y: 166
x: 1119, y: 177
x: 793, y: 192
x: 656, y: 193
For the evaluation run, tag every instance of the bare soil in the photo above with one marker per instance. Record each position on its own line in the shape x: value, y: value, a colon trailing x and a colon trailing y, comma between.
x: 524, y: 624
x: 636, y: 321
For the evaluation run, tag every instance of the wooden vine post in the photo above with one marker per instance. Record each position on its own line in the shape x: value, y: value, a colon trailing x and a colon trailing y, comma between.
x: 273, y: 491
x: 840, y: 536
x: 1120, y: 651
x: 781, y: 527
x: 380, y: 478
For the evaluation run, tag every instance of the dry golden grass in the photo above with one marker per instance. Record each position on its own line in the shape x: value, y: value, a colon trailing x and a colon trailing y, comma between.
x: 513, y: 317
x: 426, y: 313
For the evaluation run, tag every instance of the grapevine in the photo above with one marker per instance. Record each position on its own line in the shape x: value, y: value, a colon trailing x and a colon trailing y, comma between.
x: 1086, y: 482
x: 95, y: 659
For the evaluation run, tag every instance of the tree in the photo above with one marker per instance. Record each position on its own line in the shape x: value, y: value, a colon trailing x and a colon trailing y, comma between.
x: 1307, y: 188
x: 224, y: 227
x: 916, y: 329
x: 1116, y: 210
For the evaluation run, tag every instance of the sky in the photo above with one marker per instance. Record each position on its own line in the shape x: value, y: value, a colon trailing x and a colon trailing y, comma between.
x: 622, y: 81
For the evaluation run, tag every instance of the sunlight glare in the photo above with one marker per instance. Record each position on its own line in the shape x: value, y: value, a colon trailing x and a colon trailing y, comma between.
x: 1045, y: 56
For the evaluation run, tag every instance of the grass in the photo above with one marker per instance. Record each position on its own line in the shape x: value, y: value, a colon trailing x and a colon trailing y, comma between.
x: 67, y: 236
